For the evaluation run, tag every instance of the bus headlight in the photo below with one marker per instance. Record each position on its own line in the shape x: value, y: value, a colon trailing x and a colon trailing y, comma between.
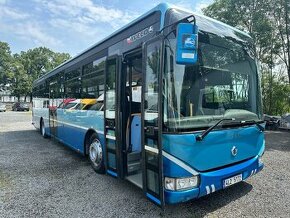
x: 181, y: 183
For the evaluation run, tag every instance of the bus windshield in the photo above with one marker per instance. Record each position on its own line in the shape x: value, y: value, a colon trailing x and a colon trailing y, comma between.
x: 224, y: 84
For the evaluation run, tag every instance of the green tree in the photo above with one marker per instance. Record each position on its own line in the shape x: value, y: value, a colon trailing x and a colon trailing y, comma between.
x: 38, y: 61
x: 267, y: 22
x: 249, y: 16
x: 20, y: 82
x: 18, y: 71
x: 280, y: 96
x: 279, y: 12
x: 5, y: 64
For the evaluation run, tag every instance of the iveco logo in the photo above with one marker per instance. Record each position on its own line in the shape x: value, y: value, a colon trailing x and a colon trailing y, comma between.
x: 140, y: 35
x: 234, y: 151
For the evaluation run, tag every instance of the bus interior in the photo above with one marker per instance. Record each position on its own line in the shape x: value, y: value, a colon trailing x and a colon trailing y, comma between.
x: 132, y: 69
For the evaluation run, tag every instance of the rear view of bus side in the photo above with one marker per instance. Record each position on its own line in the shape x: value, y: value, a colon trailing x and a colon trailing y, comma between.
x: 171, y: 102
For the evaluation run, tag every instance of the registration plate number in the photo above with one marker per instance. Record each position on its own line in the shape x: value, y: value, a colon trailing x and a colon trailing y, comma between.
x: 233, y: 180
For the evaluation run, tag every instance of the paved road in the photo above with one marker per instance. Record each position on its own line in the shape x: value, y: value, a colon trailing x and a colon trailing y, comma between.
x: 40, y: 177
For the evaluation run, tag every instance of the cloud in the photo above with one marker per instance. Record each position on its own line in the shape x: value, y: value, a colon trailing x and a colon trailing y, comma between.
x: 8, y: 12
x: 31, y: 33
x: 184, y: 4
x: 81, y: 23
x: 87, y: 12
x: 18, y: 24
x: 38, y: 36
x: 201, y: 5
x: 57, y: 23
x: 193, y: 7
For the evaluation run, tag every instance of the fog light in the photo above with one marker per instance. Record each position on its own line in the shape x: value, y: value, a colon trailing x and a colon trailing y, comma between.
x: 181, y: 183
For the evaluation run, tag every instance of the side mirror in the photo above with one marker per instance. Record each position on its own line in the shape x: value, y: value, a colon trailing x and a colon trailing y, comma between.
x: 187, y: 43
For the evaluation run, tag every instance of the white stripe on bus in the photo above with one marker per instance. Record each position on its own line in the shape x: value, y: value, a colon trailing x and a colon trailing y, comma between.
x: 111, y: 137
x: 154, y: 150
x: 180, y: 163
x: 207, y: 189
x: 213, y: 188
x: 70, y: 124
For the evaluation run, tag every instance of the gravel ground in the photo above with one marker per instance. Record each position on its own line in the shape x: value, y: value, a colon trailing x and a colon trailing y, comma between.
x: 41, y: 177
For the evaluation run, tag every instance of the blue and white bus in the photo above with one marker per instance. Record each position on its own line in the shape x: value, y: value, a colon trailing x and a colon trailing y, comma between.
x: 170, y: 102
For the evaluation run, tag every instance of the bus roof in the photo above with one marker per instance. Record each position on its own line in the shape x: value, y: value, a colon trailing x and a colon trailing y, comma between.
x: 162, y: 7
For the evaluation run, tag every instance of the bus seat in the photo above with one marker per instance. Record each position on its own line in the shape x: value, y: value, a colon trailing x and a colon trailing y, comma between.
x: 136, y: 132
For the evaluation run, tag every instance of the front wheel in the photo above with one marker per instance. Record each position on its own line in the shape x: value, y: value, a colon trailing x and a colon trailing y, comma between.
x: 96, y: 154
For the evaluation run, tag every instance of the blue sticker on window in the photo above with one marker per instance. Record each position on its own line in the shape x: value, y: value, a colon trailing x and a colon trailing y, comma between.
x: 187, y: 43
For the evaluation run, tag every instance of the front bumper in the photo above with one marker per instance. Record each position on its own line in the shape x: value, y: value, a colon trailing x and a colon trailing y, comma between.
x: 213, y: 181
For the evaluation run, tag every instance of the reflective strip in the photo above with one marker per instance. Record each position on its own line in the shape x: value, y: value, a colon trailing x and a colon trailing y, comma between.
x: 111, y: 137
x: 73, y: 125
x: 251, y: 172
x: 213, y: 188
x: 179, y: 163
x: 255, y: 171
x: 207, y: 189
x: 112, y: 173
x: 99, y: 132
x: 154, y: 150
x: 70, y: 124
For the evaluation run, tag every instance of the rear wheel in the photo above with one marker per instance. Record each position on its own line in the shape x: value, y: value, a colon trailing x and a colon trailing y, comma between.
x: 95, y: 151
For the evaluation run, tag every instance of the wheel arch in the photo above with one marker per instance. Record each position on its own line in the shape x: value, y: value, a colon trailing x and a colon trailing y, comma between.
x: 89, y: 133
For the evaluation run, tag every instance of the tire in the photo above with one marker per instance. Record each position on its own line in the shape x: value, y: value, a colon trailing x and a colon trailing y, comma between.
x: 42, y: 129
x: 95, y: 154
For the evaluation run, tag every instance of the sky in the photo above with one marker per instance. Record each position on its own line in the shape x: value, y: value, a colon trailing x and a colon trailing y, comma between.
x: 71, y: 25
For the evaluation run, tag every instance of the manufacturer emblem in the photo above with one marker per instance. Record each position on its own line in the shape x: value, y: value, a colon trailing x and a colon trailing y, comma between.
x: 140, y: 35
x: 234, y: 151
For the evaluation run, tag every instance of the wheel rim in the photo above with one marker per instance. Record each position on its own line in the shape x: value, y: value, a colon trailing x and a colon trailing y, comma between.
x: 95, y: 152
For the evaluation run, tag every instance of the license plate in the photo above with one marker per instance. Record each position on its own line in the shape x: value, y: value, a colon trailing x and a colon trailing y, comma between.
x: 233, y: 180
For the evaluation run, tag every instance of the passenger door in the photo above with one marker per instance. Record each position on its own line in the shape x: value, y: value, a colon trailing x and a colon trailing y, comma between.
x: 112, y: 117
x: 152, y: 122
x: 52, y: 108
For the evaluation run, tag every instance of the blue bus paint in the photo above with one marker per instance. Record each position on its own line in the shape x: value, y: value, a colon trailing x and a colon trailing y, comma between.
x: 154, y: 199
x: 171, y: 169
x: 174, y: 197
x: 214, y: 181
x: 73, y: 126
x: 215, y: 178
x: 198, y: 153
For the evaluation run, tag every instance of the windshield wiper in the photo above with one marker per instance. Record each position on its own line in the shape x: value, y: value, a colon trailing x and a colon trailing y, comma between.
x: 260, y: 127
x: 207, y: 131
